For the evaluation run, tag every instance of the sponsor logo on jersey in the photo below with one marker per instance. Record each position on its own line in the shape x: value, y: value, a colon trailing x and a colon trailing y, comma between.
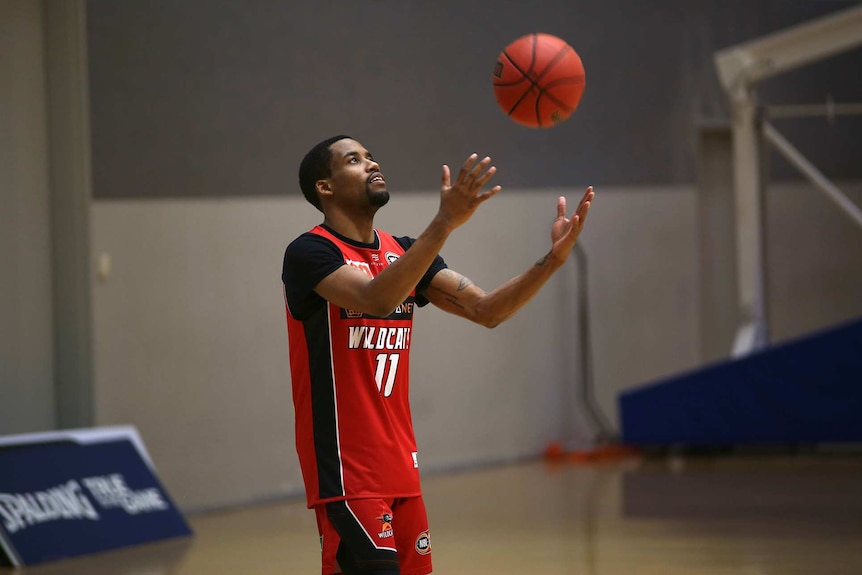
x: 385, y: 526
x: 403, y: 311
x: 423, y: 543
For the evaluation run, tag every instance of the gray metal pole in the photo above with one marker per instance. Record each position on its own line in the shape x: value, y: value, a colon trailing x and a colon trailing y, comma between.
x: 814, y: 175
x: 752, y: 334
x: 71, y: 185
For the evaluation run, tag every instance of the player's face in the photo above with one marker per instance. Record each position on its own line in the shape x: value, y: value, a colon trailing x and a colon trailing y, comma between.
x: 355, y: 175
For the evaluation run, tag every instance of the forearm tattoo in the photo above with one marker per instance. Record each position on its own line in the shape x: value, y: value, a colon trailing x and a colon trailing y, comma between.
x: 463, y: 283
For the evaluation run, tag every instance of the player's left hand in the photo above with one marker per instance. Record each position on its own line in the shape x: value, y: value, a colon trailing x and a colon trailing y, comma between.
x: 565, y: 231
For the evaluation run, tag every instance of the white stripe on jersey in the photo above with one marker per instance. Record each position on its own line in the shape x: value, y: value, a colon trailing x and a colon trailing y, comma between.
x: 334, y: 397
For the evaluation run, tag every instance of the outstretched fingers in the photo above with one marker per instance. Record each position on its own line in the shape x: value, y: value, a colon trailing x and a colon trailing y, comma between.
x: 489, y: 194
x: 474, y: 175
x: 460, y: 198
x: 584, y: 206
x: 472, y: 171
x: 446, y: 180
x: 565, y: 230
x: 483, y: 179
x: 468, y: 169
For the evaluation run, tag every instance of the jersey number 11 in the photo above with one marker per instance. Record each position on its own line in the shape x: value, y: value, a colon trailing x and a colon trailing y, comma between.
x: 384, y: 361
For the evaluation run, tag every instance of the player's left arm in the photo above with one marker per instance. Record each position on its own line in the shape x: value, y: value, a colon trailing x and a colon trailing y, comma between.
x: 454, y: 293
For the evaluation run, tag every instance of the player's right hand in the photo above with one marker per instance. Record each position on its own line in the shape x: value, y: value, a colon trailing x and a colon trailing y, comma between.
x: 459, y: 200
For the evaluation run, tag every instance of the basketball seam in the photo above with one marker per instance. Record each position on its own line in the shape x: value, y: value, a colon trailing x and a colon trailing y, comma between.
x: 525, y: 75
x: 521, y: 99
x: 518, y: 68
x: 552, y: 63
x: 542, y: 90
x: 553, y: 98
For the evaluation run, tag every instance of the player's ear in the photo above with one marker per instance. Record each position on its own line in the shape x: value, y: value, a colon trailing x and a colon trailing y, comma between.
x: 323, y: 187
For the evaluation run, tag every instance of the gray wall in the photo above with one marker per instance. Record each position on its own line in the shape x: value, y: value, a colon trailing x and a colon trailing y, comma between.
x: 205, y: 97
x: 189, y: 340
x: 814, y: 268
x: 26, y: 319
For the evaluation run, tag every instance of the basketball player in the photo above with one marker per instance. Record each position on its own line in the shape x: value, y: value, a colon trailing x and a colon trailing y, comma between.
x: 350, y: 293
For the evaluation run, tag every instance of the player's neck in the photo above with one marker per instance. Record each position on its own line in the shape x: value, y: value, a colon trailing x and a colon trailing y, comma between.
x: 360, y: 229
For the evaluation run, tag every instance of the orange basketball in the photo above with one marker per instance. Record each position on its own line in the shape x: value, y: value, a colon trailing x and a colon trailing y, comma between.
x: 539, y: 80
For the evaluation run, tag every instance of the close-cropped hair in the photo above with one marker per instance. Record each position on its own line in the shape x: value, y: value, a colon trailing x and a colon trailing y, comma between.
x: 315, y: 166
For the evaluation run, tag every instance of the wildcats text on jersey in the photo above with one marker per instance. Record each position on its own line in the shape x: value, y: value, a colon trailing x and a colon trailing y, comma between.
x: 373, y: 337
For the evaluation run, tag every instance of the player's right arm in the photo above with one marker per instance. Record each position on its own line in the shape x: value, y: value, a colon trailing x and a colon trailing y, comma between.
x: 350, y: 288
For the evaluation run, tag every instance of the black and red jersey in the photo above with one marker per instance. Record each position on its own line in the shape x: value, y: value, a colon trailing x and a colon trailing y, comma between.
x: 350, y: 373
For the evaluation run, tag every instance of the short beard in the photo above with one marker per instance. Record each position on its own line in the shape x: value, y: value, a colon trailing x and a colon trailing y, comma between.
x: 378, y: 199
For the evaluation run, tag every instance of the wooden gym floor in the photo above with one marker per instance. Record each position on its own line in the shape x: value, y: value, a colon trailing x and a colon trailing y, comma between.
x: 736, y: 515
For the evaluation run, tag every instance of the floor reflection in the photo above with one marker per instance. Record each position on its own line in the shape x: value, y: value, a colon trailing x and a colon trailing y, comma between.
x: 662, y: 516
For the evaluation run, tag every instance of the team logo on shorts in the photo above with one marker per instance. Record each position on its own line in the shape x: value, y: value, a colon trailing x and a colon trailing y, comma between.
x: 423, y: 543
x: 385, y: 526
x: 391, y: 257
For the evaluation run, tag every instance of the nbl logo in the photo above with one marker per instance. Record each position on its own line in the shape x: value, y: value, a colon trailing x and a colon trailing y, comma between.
x: 423, y: 543
x: 391, y: 257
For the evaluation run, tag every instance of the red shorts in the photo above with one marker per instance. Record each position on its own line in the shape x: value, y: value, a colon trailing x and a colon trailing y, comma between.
x: 375, y: 534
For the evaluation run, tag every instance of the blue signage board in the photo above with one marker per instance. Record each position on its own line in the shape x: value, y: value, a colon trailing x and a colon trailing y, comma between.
x: 61, y: 496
